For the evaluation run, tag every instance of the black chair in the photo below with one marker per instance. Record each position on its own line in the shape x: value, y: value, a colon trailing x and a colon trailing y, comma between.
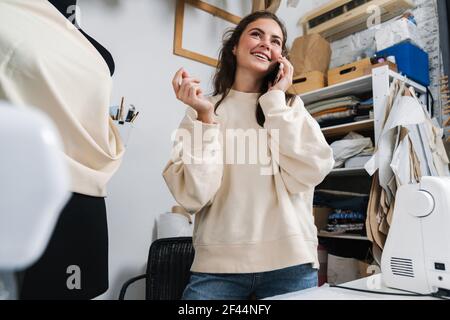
x: 168, y: 269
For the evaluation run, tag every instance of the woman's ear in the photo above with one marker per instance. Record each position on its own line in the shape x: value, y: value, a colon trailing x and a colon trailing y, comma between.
x: 234, y: 50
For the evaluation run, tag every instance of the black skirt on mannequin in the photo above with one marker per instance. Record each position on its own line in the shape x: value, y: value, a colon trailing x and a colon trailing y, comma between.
x: 75, y: 262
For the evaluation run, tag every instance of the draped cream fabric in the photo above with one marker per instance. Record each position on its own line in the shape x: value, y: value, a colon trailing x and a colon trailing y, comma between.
x: 47, y: 63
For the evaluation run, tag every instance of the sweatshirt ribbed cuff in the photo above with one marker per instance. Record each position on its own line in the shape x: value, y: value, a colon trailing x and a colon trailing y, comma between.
x: 274, y: 100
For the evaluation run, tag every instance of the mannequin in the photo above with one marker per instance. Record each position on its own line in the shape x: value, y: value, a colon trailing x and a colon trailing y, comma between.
x: 75, y: 262
x: 63, y: 6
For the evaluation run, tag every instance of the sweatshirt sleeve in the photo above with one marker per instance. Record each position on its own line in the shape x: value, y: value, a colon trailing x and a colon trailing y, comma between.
x: 304, y: 156
x: 195, y: 169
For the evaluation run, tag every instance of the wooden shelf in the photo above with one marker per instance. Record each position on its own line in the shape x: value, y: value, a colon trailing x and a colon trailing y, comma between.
x: 348, y: 172
x: 342, y: 236
x: 343, y: 129
x: 377, y: 83
x: 353, y: 87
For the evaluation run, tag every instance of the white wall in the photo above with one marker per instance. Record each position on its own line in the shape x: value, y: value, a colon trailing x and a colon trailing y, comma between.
x: 139, y: 34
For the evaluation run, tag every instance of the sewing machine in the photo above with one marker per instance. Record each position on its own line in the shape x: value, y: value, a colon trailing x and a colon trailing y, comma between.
x: 416, y: 256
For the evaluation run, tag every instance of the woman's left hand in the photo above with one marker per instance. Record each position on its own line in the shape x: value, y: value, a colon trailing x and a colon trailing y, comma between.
x: 283, y: 80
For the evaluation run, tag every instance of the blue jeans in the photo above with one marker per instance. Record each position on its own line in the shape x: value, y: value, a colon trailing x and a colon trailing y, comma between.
x: 242, y: 286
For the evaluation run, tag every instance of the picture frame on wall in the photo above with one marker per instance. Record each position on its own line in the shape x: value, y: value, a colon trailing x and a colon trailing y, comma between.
x: 180, y: 20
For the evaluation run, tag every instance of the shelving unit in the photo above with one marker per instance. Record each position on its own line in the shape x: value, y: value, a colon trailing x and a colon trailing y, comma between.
x: 378, y: 83
x: 343, y: 236
x: 356, y: 86
x: 349, y: 172
x: 343, y: 129
x: 352, y: 87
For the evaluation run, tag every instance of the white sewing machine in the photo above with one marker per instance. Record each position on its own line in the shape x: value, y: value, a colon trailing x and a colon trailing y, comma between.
x: 416, y: 256
x: 34, y: 187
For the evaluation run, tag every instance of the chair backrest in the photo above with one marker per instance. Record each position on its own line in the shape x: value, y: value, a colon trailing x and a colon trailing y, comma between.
x: 168, y: 268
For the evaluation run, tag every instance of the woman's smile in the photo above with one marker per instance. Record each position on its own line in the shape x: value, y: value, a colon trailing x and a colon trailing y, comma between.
x: 262, y: 56
x: 263, y: 41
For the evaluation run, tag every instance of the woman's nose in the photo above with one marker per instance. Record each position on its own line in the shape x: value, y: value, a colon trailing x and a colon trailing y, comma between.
x: 265, y: 43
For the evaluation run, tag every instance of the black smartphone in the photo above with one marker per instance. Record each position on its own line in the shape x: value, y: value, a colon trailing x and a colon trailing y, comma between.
x: 271, y: 77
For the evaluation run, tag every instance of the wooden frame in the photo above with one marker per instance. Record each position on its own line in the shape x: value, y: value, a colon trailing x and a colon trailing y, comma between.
x: 179, y: 20
x: 266, y: 5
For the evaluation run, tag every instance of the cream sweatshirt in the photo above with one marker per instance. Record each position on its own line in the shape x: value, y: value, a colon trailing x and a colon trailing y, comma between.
x: 48, y: 64
x: 251, y: 188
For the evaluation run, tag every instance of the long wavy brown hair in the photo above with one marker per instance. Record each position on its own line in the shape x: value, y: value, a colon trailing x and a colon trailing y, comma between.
x: 226, y: 69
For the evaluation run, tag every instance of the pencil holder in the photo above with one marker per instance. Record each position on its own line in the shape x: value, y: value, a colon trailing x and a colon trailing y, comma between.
x: 124, y: 131
x: 123, y: 121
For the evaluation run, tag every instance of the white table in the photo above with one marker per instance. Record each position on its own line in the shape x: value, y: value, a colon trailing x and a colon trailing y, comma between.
x: 325, y: 292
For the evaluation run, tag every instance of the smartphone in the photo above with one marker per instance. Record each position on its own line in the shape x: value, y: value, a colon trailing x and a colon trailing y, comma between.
x: 271, y: 77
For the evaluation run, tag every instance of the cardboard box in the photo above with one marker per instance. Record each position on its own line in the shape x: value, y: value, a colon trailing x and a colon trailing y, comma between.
x: 355, y: 70
x: 341, y: 270
x: 349, y: 71
x: 391, y: 65
x: 366, y: 269
x: 321, y: 217
x: 395, y: 32
x: 308, y: 82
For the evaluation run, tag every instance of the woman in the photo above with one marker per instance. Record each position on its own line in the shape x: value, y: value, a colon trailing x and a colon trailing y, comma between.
x: 254, y: 230
x: 47, y: 63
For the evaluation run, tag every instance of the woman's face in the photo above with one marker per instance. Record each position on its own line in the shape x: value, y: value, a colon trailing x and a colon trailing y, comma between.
x: 259, y: 47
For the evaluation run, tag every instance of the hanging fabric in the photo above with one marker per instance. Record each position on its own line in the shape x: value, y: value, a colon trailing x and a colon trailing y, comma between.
x: 410, y: 146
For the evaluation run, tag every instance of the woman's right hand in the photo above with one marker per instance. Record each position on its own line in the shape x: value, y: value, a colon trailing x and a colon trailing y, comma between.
x: 188, y: 91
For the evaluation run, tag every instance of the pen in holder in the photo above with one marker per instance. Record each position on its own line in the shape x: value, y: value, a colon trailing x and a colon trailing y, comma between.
x: 124, y: 117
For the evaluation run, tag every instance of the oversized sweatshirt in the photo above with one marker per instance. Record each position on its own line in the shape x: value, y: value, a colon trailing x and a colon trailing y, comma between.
x: 251, y: 188
x: 46, y: 63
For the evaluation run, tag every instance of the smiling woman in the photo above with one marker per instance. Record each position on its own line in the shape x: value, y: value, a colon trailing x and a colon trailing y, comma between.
x: 239, y: 67
x: 254, y: 231
x: 257, y: 48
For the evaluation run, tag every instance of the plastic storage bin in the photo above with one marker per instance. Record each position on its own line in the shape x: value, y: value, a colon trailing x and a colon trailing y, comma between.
x: 411, y: 61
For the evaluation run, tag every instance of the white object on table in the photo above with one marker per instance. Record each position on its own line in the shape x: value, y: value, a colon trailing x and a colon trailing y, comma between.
x: 372, y: 283
x: 177, y: 223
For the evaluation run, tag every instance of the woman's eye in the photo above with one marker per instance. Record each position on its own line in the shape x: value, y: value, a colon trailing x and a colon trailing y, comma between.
x: 277, y: 42
x: 255, y: 34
